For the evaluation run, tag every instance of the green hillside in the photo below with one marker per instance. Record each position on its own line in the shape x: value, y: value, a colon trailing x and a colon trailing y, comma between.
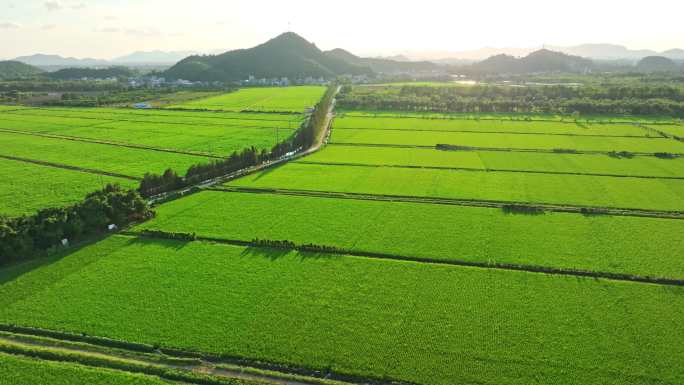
x: 288, y: 55
x: 10, y: 70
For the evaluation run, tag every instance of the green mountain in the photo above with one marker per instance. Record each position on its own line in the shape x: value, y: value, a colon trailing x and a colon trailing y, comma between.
x: 382, y: 65
x: 91, y: 73
x: 657, y: 64
x: 541, y: 61
x: 10, y: 70
x: 288, y: 55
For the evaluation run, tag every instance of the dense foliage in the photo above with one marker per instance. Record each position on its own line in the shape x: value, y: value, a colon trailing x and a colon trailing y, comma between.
x: 92, y: 73
x: 626, y: 99
x: 11, y: 70
x: 24, y: 237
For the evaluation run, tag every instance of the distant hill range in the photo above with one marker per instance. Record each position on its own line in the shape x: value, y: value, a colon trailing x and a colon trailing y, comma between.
x: 13, y: 70
x: 592, y: 51
x: 287, y: 55
x: 617, y: 52
x: 154, y: 57
x: 398, y: 64
x: 140, y: 58
x: 658, y: 64
x: 42, y: 60
x: 542, y: 61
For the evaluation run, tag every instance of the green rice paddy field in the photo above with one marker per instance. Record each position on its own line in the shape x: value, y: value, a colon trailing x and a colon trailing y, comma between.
x: 646, y: 166
x: 672, y: 129
x: 586, y: 119
x: 578, y: 190
x: 637, y: 246
x: 27, y: 187
x: 26, y: 371
x: 116, y: 159
x: 505, y: 141
x: 181, y: 131
x: 125, y: 142
x: 490, y: 125
x: 267, y: 99
x: 416, y: 322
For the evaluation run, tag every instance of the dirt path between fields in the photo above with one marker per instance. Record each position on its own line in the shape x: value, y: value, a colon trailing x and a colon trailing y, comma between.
x: 153, y: 360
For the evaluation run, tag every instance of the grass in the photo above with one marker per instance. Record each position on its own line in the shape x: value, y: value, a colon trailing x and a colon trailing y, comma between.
x: 416, y: 322
x: 266, y: 99
x: 177, y: 130
x: 672, y: 129
x: 25, y: 187
x: 26, y: 371
x: 484, y: 160
x: 579, y: 190
x: 588, y: 119
x: 489, y: 125
x: 544, y: 142
x: 628, y: 245
x: 116, y: 159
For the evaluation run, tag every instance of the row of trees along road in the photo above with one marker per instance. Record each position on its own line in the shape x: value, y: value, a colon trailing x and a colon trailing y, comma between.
x: 305, y: 137
x: 27, y: 237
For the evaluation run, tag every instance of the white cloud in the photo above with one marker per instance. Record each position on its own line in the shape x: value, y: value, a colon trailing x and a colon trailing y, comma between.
x: 53, y: 5
x: 9, y: 25
x: 78, y: 6
x: 48, y: 27
x: 111, y: 18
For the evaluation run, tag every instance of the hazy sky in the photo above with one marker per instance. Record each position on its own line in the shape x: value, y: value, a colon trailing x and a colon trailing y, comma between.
x: 110, y: 28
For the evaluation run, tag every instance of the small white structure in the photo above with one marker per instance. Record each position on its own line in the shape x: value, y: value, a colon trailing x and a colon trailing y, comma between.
x: 111, y: 227
x: 65, y: 242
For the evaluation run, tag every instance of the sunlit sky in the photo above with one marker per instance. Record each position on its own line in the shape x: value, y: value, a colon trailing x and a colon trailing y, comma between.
x: 111, y: 28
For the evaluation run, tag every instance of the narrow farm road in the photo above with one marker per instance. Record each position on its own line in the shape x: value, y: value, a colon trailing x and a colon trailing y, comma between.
x: 7, y: 342
x: 321, y: 139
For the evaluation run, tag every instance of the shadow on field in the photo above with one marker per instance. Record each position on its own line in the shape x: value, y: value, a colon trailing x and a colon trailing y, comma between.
x: 275, y: 254
x: 172, y: 244
x: 11, y: 272
x: 267, y: 171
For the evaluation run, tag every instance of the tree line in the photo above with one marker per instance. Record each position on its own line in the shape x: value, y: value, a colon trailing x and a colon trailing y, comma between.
x: 304, y: 137
x: 25, y: 237
x: 613, y: 99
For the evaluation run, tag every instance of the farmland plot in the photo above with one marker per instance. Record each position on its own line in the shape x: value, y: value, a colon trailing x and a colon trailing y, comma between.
x: 180, y: 133
x: 489, y: 125
x: 26, y: 371
x: 579, y: 190
x: 415, y: 322
x: 645, y: 166
x: 114, y: 159
x: 266, y: 99
x: 27, y: 187
x: 626, y: 245
x: 671, y: 129
x: 507, y: 141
